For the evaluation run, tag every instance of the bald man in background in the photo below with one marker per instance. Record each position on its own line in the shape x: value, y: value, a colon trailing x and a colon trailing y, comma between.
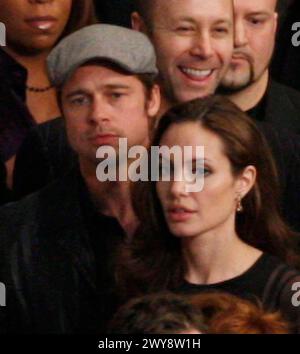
x: 193, y: 40
x: 248, y: 82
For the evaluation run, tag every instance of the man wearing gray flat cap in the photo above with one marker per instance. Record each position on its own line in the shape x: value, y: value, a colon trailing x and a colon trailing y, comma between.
x: 59, y: 243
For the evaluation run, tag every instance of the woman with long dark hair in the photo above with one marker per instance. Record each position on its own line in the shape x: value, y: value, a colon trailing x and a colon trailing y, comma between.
x: 229, y: 236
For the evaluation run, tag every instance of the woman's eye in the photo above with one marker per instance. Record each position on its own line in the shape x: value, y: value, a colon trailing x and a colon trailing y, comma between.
x: 201, y: 171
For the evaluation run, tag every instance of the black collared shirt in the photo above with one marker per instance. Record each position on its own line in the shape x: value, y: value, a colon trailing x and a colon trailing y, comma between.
x: 15, y: 118
x: 104, y: 236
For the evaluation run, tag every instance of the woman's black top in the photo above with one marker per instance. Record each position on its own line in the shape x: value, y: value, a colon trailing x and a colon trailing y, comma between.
x: 272, y: 282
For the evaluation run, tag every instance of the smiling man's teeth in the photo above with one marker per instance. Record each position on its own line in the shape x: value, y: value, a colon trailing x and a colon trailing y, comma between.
x: 196, y: 72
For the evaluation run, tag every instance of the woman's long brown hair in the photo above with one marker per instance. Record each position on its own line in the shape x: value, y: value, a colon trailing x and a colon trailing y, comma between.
x: 153, y: 261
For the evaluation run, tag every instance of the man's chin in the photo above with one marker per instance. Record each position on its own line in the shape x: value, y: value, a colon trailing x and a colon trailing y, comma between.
x: 230, y: 87
x: 185, y: 96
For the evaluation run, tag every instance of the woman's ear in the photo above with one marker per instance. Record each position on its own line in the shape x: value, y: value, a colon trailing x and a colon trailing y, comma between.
x: 246, y: 181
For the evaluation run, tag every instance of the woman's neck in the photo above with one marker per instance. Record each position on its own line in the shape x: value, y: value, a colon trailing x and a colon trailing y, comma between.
x: 42, y: 105
x: 217, y: 256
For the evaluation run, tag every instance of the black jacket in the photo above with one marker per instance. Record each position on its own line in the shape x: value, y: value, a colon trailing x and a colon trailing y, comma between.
x: 282, y: 107
x: 5, y: 194
x: 15, y: 118
x: 286, y: 59
x: 44, y: 156
x: 49, y: 266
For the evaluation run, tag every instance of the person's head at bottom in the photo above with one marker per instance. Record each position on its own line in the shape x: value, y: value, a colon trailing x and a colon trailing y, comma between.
x: 228, y: 314
x: 161, y: 313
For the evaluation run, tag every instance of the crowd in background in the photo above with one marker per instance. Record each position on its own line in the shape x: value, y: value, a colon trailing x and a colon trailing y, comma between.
x: 76, y: 75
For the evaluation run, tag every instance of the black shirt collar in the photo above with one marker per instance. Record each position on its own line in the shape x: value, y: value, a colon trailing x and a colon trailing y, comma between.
x: 258, y: 112
x: 99, y: 225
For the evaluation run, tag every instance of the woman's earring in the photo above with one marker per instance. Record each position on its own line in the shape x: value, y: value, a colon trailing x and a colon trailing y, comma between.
x: 239, y: 207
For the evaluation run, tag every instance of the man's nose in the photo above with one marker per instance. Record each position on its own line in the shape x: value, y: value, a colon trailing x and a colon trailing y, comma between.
x: 240, y: 34
x: 100, y: 111
x: 202, y: 45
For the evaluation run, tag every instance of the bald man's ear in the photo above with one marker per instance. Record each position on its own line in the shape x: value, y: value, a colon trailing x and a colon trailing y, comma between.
x: 138, y: 23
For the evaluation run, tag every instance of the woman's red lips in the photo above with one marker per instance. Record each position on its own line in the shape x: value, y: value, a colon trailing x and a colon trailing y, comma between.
x: 181, y: 208
x: 179, y: 213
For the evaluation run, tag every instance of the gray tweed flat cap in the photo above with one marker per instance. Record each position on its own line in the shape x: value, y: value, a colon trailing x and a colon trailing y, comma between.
x: 129, y: 49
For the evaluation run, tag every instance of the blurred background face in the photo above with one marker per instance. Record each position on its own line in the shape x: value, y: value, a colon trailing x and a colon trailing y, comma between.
x: 34, y: 26
x: 193, y: 41
x: 193, y: 214
x: 255, y: 30
x: 101, y: 105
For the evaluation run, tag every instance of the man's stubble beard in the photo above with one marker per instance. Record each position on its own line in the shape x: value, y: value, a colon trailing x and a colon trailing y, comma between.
x: 230, y: 86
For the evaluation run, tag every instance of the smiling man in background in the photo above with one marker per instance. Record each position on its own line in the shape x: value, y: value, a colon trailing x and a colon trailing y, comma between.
x: 193, y: 40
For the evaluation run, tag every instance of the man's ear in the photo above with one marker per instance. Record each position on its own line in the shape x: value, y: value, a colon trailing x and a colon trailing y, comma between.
x: 246, y: 181
x: 154, y: 101
x: 276, y: 21
x: 138, y: 23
